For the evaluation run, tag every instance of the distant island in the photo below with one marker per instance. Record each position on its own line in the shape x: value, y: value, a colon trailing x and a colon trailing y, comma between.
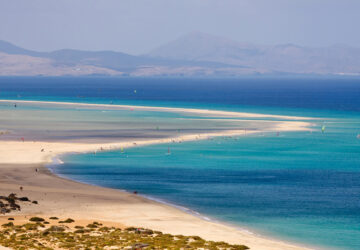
x: 195, y: 54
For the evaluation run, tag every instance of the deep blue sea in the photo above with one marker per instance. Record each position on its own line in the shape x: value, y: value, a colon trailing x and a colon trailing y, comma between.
x: 300, y: 186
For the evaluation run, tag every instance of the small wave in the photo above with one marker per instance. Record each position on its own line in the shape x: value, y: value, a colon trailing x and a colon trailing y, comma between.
x: 56, y: 161
x: 189, y: 211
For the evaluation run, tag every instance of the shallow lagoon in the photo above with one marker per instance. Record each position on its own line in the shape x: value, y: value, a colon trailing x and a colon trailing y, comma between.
x: 300, y: 186
x: 297, y: 186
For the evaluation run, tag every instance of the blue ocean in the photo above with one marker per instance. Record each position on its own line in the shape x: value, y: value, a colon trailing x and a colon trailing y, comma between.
x: 302, y: 187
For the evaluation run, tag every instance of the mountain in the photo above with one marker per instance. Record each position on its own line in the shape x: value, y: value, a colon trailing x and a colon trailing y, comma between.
x: 18, y: 61
x: 195, y: 54
x: 203, y: 47
x: 11, y: 49
x: 69, y: 57
x: 290, y: 58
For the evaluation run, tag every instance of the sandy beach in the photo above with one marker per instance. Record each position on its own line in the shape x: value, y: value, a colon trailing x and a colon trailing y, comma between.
x: 86, y: 203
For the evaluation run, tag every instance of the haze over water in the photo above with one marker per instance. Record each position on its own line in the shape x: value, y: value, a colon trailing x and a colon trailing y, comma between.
x: 298, y: 186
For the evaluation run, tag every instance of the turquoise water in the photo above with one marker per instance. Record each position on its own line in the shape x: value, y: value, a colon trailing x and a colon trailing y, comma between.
x: 299, y: 186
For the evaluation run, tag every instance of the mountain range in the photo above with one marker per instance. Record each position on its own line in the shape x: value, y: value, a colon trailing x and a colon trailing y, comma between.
x: 195, y: 54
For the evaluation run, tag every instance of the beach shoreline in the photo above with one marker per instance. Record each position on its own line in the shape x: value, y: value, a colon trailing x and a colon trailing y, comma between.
x: 206, y: 218
x: 24, y: 164
x: 85, y: 203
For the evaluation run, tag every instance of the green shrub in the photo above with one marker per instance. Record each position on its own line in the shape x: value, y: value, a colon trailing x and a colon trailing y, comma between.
x: 79, y: 231
x: 92, y: 226
x: 55, y: 229
x: 36, y: 219
x: 10, y: 224
x: 31, y: 226
x: 67, y: 221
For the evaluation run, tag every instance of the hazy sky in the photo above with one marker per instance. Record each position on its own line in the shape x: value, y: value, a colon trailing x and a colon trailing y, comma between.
x: 137, y: 26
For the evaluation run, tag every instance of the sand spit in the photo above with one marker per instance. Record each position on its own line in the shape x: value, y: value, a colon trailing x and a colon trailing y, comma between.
x: 205, y: 112
x: 31, y: 152
x: 22, y: 165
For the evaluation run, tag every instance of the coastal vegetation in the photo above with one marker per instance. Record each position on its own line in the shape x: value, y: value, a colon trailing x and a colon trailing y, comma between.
x: 37, y: 234
x: 12, y: 203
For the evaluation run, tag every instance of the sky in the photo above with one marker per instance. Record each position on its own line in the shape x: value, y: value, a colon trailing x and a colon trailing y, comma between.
x: 138, y: 26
